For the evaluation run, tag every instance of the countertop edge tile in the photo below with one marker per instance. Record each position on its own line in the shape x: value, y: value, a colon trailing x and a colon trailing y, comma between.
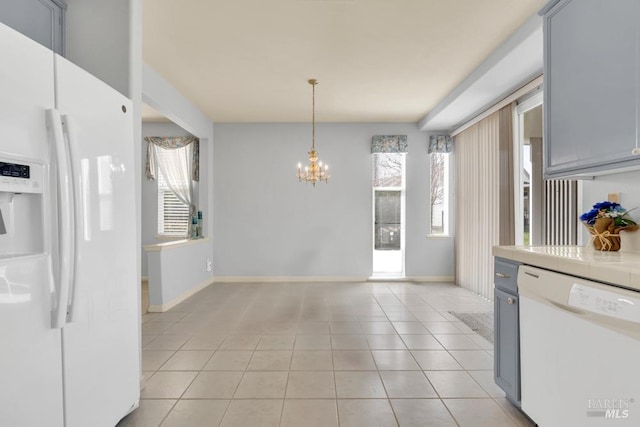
x: 619, y: 268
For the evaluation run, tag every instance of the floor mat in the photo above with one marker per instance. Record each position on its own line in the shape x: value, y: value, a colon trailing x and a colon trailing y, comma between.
x: 481, y: 323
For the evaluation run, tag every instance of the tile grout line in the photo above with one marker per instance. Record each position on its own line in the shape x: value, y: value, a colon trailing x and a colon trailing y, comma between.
x: 286, y: 385
x: 313, y: 313
x: 508, y: 414
x: 427, y: 377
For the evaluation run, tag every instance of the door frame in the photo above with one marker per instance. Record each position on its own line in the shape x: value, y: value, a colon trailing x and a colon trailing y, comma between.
x: 403, y: 216
x: 532, y: 101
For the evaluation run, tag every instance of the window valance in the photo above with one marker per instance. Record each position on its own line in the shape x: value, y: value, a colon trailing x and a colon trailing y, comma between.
x: 172, y: 143
x: 389, y: 144
x: 440, y: 144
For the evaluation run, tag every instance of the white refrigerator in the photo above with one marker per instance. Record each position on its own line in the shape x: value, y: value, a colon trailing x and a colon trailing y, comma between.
x: 69, y: 301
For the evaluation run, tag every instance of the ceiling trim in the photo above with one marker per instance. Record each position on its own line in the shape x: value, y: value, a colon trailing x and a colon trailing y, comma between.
x: 160, y: 95
x: 514, y: 63
x: 532, y: 85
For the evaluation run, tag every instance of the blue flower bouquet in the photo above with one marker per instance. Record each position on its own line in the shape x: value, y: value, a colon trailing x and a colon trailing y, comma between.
x: 604, y: 222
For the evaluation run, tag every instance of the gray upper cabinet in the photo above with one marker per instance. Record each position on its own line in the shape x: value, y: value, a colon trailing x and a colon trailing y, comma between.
x: 41, y: 20
x: 591, y: 95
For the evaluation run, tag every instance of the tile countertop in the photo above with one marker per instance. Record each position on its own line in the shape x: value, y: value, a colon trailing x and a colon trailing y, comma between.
x: 618, y: 268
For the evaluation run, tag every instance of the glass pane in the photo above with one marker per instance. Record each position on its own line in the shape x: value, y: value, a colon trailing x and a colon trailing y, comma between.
x: 387, y: 220
x: 526, y: 187
x: 387, y: 169
x: 439, y: 192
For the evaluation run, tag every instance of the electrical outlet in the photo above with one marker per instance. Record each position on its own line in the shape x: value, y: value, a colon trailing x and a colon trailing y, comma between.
x: 209, y: 264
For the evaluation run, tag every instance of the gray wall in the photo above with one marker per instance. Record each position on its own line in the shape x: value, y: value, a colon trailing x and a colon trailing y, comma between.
x: 164, y: 98
x: 150, y: 188
x: 269, y: 225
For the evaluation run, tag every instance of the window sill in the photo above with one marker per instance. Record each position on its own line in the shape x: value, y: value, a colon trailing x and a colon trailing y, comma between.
x: 439, y: 236
x: 174, y: 244
x: 170, y: 238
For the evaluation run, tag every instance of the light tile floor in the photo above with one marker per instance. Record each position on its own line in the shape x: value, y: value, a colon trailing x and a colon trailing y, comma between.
x: 325, y: 354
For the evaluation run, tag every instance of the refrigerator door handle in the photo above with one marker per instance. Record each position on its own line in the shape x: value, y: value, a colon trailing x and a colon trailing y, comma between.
x: 69, y: 128
x: 65, y: 219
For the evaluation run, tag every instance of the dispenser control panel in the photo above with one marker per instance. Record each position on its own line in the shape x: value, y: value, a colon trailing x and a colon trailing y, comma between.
x: 14, y: 170
x: 617, y: 303
x: 20, y: 177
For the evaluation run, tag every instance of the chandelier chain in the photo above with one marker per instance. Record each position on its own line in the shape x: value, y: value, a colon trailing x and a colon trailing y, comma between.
x: 315, y: 171
x: 313, y: 82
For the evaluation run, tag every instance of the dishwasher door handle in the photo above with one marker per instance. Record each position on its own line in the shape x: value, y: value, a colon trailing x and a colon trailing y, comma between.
x: 502, y: 275
x: 567, y: 308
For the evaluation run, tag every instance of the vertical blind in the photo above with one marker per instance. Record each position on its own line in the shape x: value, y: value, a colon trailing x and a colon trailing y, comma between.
x: 484, y: 188
x: 561, y: 212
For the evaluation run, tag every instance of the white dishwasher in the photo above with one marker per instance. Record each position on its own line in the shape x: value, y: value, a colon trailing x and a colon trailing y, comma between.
x: 579, y: 351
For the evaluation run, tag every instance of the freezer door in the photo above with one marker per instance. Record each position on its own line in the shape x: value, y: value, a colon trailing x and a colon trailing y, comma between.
x: 31, y: 357
x: 30, y: 351
x: 101, y: 339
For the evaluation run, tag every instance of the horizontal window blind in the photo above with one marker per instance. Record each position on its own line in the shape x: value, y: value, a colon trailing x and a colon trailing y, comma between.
x: 173, y: 215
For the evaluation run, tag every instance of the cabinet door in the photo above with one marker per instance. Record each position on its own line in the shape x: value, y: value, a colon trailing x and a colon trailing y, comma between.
x: 507, y: 345
x: 41, y: 20
x: 591, y: 84
x: 505, y: 275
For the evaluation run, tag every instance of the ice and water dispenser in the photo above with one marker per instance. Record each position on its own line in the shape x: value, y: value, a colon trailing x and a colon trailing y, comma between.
x: 21, y: 203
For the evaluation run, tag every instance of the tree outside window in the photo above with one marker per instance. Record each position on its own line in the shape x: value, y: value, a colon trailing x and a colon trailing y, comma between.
x: 439, y: 193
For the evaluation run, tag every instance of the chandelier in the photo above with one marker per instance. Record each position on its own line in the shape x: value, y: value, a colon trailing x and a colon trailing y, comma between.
x: 316, y: 171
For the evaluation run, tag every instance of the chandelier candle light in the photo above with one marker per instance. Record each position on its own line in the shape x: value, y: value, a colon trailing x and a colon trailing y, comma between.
x: 315, y: 171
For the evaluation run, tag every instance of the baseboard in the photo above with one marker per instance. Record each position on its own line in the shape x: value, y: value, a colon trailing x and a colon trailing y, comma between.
x: 154, y: 308
x: 287, y: 279
x: 411, y: 279
x: 310, y: 279
x: 420, y: 279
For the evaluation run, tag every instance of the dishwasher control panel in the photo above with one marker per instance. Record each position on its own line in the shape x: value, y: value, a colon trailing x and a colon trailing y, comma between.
x: 612, y: 304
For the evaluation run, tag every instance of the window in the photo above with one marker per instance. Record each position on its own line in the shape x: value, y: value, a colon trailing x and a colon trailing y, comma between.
x: 172, y: 163
x: 173, y: 215
x: 439, y: 193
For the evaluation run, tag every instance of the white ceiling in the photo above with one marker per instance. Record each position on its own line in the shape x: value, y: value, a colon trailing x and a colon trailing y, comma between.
x: 376, y: 60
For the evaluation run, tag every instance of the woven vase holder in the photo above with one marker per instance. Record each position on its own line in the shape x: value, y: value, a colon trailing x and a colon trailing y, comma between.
x: 604, y: 234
